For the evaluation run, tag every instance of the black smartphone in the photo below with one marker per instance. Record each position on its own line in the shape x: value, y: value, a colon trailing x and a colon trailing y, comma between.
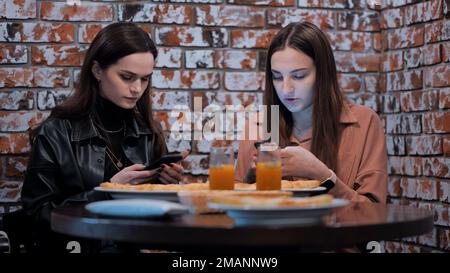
x: 258, y: 143
x: 165, y: 159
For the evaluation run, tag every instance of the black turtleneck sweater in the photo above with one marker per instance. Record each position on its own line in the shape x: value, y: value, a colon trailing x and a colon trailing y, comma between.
x: 114, y: 120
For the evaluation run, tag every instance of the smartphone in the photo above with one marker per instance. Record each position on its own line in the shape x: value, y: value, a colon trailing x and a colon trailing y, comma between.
x: 165, y: 159
x: 258, y: 143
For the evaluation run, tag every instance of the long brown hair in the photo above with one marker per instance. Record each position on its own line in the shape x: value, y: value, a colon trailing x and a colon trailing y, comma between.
x: 327, y: 99
x: 112, y: 43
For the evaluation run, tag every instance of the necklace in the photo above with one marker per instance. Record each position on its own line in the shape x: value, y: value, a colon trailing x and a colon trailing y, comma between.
x: 116, y: 161
x: 110, y: 131
x: 118, y: 164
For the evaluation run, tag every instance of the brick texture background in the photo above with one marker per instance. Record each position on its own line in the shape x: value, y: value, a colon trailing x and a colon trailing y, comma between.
x: 392, y: 55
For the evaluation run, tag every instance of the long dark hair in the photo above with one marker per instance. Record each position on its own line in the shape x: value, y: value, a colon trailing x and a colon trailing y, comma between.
x: 112, y: 43
x: 327, y: 99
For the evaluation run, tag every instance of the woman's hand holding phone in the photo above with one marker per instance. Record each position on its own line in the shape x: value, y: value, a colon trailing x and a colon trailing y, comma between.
x: 134, y: 174
x: 173, y: 172
x: 166, y: 173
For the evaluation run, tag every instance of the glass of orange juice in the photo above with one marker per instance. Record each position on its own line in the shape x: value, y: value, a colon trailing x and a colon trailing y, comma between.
x: 268, y: 167
x: 221, y: 169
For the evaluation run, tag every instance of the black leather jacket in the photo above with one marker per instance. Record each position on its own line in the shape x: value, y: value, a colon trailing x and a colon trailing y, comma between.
x: 67, y: 162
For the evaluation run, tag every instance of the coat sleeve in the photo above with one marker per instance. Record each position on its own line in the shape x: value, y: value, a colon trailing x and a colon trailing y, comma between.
x: 371, y: 178
x: 43, y: 187
x: 40, y: 190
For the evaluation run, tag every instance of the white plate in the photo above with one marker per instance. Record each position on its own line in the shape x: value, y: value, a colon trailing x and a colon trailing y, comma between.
x: 246, y: 215
x: 138, y: 194
x: 141, y: 208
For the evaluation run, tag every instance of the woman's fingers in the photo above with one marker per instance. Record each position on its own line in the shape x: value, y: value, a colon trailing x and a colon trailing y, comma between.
x: 134, y: 167
x: 170, y: 171
x: 136, y: 175
x: 285, y: 153
x: 177, y: 167
x: 142, y: 174
x: 290, y: 151
x: 285, y: 160
x: 165, y: 178
x: 179, y: 170
x: 139, y: 181
x: 184, y: 153
x: 286, y: 171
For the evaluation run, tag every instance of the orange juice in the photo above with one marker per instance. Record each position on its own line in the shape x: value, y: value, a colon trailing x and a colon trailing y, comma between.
x: 221, y: 177
x: 268, y: 176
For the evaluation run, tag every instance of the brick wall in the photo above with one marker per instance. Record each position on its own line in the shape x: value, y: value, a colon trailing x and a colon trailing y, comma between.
x: 392, y: 55
x: 416, y: 69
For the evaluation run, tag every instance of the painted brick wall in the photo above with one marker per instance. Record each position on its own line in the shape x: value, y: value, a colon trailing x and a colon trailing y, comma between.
x: 415, y: 67
x: 392, y: 55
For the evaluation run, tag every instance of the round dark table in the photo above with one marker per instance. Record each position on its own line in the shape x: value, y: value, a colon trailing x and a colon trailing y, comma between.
x: 357, y: 223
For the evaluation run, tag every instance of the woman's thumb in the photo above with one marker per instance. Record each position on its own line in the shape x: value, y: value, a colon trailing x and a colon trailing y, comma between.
x: 136, y: 167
